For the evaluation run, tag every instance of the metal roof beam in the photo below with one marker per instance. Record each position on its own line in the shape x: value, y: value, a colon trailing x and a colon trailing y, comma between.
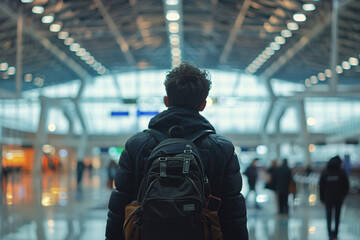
x: 234, y: 31
x: 124, y: 46
x: 48, y: 45
x: 270, y: 71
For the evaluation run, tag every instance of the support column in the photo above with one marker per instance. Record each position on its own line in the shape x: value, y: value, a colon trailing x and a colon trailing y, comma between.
x: 81, y: 89
x: 278, y: 141
x: 68, y: 116
x: 81, y: 151
x: 264, y: 134
x: 334, y: 47
x: 304, y: 133
x: 40, y: 140
x: 19, y: 52
x: 41, y: 136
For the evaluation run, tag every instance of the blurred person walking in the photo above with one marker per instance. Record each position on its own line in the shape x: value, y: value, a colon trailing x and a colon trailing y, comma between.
x: 270, y: 176
x: 252, y: 175
x: 283, y: 177
x: 334, y: 186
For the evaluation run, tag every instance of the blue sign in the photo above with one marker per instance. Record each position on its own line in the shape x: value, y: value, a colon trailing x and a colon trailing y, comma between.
x: 146, y: 113
x: 119, y: 113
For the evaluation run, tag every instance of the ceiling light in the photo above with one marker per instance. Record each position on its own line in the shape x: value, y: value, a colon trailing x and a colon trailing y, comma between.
x: 39, y: 81
x: 97, y: 66
x: 353, y: 61
x: 63, y: 35
x: 81, y: 52
x: 339, y: 69
x: 307, y: 82
x: 308, y: 7
x: 3, y: 66
x: 262, y: 58
x: 38, y: 9
x: 52, y: 127
x: 257, y: 64
x: 299, y: 17
x: 174, y: 37
x: 274, y: 46
x: 268, y: 27
x: 251, y: 68
x: 47, y: 19
x: 74, y: 47
x: 90, y: 60
x: 86, y: 56
x: 328, y: 73
x: 311, y: 121
x: 173, y: 27
x: 68, y: 41
x: 55, y: 27
x: 274, y: 20
x: 28, y: 77
x: 176, y: 51
x: 172, y: 15
x: 175, y: 41
x: 286, y: 33
x: 93, y: 63
x: 102, y: 70
x: 265, y: 54
x: 176, y: 58
x: 172, y: 2
x: 11, y: 71
x: 269, y: 51
x: 279, y: 40
x: 175, y: 63
x: 292, y: 26
x: 321, y: 76
x: 346, y: 65
x: 26, y: 1
x: 313, y: 80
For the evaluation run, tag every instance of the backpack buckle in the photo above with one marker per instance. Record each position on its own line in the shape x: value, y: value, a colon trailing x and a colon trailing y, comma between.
x: 162, y: 166
x: 188, y: 149
x: 187, y: 158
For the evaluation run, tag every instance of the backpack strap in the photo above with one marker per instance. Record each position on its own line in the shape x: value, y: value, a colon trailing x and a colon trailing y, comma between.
x: 159, y: 136
x: 200, y: 134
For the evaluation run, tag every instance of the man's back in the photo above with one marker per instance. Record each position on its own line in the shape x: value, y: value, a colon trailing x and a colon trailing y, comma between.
x: 217, y: 155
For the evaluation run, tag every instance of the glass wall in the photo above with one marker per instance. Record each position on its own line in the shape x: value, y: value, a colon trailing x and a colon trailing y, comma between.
x: 238, y: 104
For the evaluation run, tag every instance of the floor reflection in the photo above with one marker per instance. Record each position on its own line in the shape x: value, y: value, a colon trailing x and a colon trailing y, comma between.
x: 53, y: 206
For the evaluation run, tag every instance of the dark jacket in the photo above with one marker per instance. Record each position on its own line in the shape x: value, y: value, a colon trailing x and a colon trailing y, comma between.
x: 220, y: 163
x: 334, y: 183
x: 283, y: 177
x: 252, y: 175
x: 271, y: 184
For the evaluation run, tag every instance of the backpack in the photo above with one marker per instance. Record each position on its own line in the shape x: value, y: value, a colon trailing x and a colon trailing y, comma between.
x: 174, y: 200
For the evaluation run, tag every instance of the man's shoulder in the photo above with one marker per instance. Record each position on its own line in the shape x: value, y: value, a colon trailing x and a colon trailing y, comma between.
x: 221, y: 142
x: 138, y: 138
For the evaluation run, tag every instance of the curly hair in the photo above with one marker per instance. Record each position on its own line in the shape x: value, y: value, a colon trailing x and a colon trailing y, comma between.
x: 187, y: 86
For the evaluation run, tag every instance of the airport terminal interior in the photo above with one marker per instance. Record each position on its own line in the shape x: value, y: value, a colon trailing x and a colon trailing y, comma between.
x: 79, y: 77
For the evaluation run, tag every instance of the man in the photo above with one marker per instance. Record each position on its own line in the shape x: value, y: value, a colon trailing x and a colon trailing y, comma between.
x: 283, y: 178
x: 334, y: 186
x: 187, y: 88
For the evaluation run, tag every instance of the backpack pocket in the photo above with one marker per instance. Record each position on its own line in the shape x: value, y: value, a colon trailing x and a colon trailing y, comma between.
x: 132, y: 221
x: 212, y: 230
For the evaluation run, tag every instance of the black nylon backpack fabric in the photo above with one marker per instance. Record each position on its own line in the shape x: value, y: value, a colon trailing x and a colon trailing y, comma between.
x: 220, y: 164
x: 172, y: 192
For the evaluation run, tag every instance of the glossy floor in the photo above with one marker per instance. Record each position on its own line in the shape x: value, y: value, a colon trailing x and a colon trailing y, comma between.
x: 54, y: 208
